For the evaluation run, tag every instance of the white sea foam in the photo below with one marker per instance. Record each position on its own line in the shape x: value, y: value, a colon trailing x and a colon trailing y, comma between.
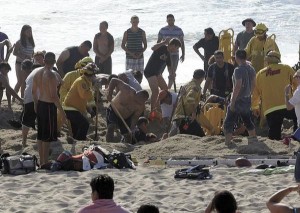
x: 58, y: 24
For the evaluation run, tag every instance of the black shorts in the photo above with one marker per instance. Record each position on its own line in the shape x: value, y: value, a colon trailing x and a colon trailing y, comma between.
x: 28, y: 115
x: 47, y: 121
x: 113, y: 118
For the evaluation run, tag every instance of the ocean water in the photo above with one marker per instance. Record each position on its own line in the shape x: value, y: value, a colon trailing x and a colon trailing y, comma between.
x: 57, y: 24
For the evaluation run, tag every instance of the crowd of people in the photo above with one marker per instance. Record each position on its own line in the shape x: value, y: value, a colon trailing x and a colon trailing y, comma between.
x: 254, y: 84
x: 251, y: 85
x: 223, y: 201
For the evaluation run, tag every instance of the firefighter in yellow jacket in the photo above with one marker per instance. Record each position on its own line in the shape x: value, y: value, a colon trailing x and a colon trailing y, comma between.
x: 259, y: 46
x: 68, y: 80
x: 72, y: 76
x: 269, y: 93
x: 188, y: 104
x: 77, y: 99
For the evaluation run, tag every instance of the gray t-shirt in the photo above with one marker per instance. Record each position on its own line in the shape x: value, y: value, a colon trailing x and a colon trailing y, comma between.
x: 247, y: 73
x: 243, y: 38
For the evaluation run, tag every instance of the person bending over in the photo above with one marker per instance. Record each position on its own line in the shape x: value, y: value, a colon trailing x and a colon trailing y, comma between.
x: 125, y: 108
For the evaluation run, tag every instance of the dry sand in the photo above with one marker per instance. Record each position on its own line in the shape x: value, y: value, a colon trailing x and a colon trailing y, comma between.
x: 62, y: 191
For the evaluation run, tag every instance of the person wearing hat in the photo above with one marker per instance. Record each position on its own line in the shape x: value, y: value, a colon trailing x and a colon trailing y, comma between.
x: 70, y: 77
x: 76, y: 101
x: 294, y: 101
x: 259, y: 46
x: 188, y: 104
x: 210, y: 43
x: 244, y: 37
x: 68, y: 80
x: 267, y: 95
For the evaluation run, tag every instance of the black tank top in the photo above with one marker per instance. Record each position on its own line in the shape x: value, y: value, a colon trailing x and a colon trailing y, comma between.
x: 75, y: 56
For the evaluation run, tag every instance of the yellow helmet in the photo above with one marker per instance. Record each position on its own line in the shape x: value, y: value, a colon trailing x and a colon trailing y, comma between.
x: 260, y: 29
x: 81, y: 63
x: 89, y: 69
x: 273, y: 57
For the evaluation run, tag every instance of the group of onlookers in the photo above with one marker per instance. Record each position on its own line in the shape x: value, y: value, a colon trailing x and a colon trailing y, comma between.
x: 222, y: 202
x: 253, y: 83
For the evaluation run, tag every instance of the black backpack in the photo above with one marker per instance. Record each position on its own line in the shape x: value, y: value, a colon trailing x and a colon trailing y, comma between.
x: 121, y: 161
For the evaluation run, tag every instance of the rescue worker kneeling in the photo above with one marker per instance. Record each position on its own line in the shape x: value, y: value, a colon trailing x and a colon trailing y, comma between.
x: 77, y: 102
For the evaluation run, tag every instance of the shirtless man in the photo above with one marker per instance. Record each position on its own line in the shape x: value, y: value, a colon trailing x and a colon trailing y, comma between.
x: 129, y: 103
x: 46, y: 103
x: 103, y: 47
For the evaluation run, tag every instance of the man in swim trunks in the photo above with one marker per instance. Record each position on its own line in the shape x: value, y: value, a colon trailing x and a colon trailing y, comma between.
x: 156, y: 65
x: 4, y: 84
x: 134, y: 43
x: 103, y: 47
x: 46, y: 103
x: 129, y: 103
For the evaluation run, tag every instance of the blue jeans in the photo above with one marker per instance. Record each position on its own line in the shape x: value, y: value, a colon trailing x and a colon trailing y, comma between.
x: 242, y: 109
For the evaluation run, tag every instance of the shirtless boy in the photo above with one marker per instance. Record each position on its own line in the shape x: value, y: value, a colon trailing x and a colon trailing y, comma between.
x: 103, y: 47
x: 46, y: 103
x: 129, y: 103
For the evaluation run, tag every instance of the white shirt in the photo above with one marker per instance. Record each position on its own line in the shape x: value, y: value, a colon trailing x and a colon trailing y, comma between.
x: 166, y: 109
x: 295, y: 101
x: 28, y: 89
x: 133, y: 82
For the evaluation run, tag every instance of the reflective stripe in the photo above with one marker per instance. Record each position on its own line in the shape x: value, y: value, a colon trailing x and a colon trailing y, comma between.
x: 69, y: 108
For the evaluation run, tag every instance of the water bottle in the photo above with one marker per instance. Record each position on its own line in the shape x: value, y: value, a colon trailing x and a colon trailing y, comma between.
x: 297, y: 166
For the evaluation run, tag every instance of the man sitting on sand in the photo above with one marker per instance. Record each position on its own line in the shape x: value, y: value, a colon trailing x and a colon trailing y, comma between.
x: 223, y: 201
x: 46, y: 103
x: 4, y: 84
x: 127, y: 106
x: 148, y: 208
x: 102, y: 196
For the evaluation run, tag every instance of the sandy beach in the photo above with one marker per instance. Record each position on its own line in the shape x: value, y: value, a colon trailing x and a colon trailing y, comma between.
x: 44, y: 191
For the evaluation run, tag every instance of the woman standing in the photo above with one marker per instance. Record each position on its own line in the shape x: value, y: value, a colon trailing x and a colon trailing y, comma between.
x: 23, y: 50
